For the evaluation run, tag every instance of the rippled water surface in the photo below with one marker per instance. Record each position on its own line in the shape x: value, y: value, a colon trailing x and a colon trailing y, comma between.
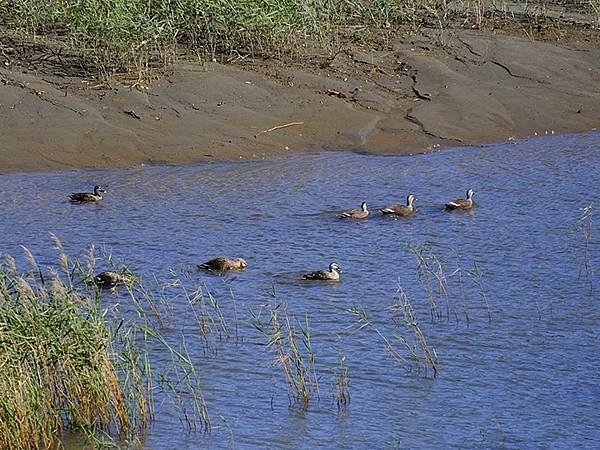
x: 528, y: 378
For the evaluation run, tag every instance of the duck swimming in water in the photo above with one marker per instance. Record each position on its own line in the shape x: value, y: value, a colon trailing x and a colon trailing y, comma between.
x: 401, y: 210
x: 86, y: 197
x: 223, y: 264
x: 461, y: 203
x: 109, y: 280
x: 356, y: 213
x: 333, y: 274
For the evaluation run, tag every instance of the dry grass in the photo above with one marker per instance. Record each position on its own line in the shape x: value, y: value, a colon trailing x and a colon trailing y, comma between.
x: 424, y: 356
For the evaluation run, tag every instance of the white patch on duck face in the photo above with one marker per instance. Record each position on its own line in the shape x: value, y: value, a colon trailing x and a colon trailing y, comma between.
x: 470, y: 193
x: 98, y: 191
x: 363, y: 206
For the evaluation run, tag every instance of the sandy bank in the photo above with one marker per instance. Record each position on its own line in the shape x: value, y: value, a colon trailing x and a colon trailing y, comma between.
x: 404, y: 95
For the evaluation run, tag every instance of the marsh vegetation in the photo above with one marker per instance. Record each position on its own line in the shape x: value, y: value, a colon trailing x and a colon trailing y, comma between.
x: 137, y: 35
x: 71, y: 362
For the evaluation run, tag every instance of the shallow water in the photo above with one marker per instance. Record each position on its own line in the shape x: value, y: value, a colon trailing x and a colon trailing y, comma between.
x: 528, y: 378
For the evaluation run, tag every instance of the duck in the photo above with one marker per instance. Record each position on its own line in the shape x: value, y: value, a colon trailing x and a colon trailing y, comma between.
x: 223, y: 264
x: 86, y: 197
x: 333, y: 274
x: 109, y: 280
x: 461, y: 203
x: 356, y: 213
x: 401, y: 210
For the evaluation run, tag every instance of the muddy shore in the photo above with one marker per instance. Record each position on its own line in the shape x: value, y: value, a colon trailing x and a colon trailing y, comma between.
x: 404, y: 95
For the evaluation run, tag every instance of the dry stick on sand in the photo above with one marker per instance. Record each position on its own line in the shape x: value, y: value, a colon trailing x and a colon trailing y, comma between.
x: 278, y: 127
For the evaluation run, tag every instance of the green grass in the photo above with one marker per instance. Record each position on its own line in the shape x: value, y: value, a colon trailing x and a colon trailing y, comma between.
x: 133, y: 35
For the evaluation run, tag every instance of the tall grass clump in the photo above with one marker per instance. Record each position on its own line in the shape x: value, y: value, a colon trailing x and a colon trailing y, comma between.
x: 63, y: 365
x: 69, y: 364
x: 290, y: 341
x: 594, y: 5
x: 441, y: 278
x: 134, y: 35
x: 403, y: 313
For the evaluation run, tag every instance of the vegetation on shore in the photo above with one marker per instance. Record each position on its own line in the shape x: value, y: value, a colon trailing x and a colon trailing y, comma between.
x: 134, y: 35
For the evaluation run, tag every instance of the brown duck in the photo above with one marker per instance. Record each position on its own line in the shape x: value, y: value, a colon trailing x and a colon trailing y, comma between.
x: 333, y: 274
x: 86, y: 197
x: 461, y: 203
x: 356, y: 213
x: 401, y: 210
x: 223, y: 264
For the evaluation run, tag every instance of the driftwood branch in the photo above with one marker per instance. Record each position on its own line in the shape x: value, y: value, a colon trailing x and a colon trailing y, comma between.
x: 278, y: 127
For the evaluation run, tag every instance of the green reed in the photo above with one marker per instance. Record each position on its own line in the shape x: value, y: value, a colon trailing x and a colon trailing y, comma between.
x: 136, y: 35
x: 431, y: 272
x: 291, y: 343
x: 363, y: 321
x: 341, y: 384
x: 69, y: 363
x: 421, y: 353
x: 439, y: 278
x: 208, y: 315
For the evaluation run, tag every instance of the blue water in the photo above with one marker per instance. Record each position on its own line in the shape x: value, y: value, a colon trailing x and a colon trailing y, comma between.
x: 527, y: 378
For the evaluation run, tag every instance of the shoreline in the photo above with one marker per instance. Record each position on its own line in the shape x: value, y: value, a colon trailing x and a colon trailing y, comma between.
x: 406, y: 95
x: 515, y: 141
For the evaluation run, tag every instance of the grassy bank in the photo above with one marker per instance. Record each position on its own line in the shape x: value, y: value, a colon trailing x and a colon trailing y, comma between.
x: 133, y: 35
x: 119, y: 34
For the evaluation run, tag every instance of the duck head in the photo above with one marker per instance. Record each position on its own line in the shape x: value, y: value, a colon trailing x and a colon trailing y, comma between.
x: 99, y: 190
x: 470, y: 194
x: 410, y: 199
x: 363, y: 206
x: 333, y: 267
